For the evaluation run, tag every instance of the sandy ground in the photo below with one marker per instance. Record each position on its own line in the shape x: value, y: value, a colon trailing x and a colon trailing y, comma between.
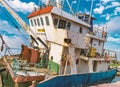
x: 117, y: 84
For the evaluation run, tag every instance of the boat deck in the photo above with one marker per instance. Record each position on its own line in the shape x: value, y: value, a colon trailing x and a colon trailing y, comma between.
x: 25, y: 73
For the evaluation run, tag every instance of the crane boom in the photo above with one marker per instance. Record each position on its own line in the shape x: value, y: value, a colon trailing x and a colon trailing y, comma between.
x: 21, y: 22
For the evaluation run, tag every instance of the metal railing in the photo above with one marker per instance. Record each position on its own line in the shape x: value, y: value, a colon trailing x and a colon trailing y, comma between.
x: 98, y: 33
x: 112, y: 54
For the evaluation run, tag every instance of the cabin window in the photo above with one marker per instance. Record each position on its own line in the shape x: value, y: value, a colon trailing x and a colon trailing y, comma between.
x: 68, y: 25
x: 62, y: 24
x: 80, y: 30
x: 82, y: 52
x: 42, y: 21
x: 38, y: 21
x: 47, y: 20
x: 99, y: 43
x: 35, y: 22
x: 55, y: 22
x: 31, y: 22
x: 91, y: 41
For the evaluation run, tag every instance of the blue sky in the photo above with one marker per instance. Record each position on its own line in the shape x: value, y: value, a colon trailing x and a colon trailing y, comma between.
x: 107, y: 13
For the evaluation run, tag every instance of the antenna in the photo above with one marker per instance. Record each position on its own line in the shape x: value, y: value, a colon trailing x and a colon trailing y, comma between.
x: 78, y: 6
x: 69, y: 6
x: 91, y: 11
x: 63, y: 2
x: 58, y: 3
x: 39, y: 3
x: 47, y: 2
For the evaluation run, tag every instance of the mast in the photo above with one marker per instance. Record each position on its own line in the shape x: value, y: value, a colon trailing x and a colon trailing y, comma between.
x: 22, y: 23
x: 91, y: 11
x: 47, y: 2
x: 69, y: 6
x: 58, y: 3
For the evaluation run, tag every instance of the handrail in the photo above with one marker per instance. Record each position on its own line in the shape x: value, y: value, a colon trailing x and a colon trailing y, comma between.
x: 111, y: 53
x: 98, y: 33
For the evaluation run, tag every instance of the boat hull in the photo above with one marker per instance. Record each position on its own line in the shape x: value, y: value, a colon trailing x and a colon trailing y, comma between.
x: 79, y: 80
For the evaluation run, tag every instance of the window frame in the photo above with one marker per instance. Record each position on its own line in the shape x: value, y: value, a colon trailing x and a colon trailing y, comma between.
x: 99, y: 43
x: 62, y: 24
x: 56, y: 24
x: 41, y: 19
x: 81, y: 30
x: 68, y: 25
x: 35, y: 22
x: 31, y: 21
x: 47, y: 20
x: 38, y: 21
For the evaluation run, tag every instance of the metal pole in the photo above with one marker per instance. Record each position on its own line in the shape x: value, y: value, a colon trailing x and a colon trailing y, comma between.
x: 91, y: 11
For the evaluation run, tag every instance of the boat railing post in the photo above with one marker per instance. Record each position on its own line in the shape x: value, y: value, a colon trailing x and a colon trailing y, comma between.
x: 66, y: 66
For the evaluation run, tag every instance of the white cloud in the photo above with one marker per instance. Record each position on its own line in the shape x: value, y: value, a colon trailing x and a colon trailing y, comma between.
x: 113, y: 4
x: 74, y: 2
x: 107, y: 16
x: 117, y: 10
x: 118, y: 50
x: 99, y: 26
x: 12, y: 36
x: 43, y: 1
x: 114, y: 25
x: 99, y: 10
x: 13, y: 42
x: 117, y: 35
x: 86, y: 11
x: 22, y: 6
x: 6, y: 27
x: 112, y: 39
x: 106, y: 1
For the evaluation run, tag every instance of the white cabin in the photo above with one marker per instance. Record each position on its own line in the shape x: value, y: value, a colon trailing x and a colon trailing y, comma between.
x: 66, y: 34
x: 57, y: 26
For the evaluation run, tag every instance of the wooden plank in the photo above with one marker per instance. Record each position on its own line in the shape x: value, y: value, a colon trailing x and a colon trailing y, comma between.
x: 1, y: 82
x: 9, y: 68
x: 18, y: 78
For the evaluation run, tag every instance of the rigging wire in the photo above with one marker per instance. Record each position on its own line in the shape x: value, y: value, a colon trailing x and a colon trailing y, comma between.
x: 91, y: 11
x: 63, y: 3
x: 78, y: 6
x: 39, y: 4
x: 24, y: 36
x: 9, y: 18
x: 72, y: 4
x: 69, y: 6
x: 7, y: 47
x: 14, y: 24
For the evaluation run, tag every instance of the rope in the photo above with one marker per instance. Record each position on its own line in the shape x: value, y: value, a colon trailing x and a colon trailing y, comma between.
x: 8, y: 16
x: 91, y: 11
x: 25, y: 37
x: 13, y: 23
x: 7, y: 47
x: 78, y: 5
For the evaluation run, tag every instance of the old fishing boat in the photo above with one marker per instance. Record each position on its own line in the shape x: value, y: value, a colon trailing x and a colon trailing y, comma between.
x: 67, y: 46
